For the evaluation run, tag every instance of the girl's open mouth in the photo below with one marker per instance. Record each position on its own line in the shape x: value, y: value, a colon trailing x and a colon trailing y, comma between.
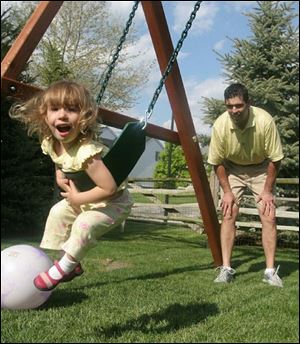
x: 63, y: 129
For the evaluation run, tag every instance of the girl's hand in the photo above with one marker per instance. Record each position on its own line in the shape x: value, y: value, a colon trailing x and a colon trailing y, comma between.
x: 63, y: 183
x: 72, y: 196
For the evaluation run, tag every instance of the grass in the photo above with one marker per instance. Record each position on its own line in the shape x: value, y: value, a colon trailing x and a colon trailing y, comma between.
x: 154, y: 284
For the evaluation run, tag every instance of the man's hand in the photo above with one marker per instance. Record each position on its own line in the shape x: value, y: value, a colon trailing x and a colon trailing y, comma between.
x: 227, y: 203
x: 268, y: 203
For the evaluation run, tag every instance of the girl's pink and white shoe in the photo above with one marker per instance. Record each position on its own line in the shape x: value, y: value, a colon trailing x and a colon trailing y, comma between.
x: 45, y: 282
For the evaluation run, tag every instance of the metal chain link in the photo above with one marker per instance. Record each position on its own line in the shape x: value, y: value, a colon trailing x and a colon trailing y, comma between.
x: 171, y: 61
x: 116, y: 54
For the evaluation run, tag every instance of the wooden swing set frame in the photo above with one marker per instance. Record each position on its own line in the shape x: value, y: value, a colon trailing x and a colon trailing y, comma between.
x: 14, y: 63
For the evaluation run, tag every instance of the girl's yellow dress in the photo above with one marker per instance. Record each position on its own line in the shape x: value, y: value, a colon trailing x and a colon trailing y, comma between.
x: 77, y: 233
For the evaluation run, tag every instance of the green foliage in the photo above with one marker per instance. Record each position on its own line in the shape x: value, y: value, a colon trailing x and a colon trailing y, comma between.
x: 204, y: 140
x: 268, y: 64
x: 171, y: 164
x: 26, y: 174
x: 53, y: 68
x: 213, y: 108
x: 8, y: 32
x: 26, y: 180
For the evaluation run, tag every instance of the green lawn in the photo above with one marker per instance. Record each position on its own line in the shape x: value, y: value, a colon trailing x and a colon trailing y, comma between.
x: 154, y: 284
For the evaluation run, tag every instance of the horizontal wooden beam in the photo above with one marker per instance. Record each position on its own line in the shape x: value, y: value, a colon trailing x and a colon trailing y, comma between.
x: 259, y: 225
x: 117, y: 120
x: 17, y: 90
x: 287, y: 180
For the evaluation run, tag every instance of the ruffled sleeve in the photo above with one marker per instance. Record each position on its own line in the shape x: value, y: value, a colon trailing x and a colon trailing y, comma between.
x: 76, y: 162
x: 46, y: 146
x: 74, y: 158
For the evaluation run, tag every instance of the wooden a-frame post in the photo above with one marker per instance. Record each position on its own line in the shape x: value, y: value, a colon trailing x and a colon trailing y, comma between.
x: 15, y: 60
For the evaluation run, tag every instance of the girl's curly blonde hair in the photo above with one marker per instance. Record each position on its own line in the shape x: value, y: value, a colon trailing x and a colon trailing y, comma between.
x: 59, y: 94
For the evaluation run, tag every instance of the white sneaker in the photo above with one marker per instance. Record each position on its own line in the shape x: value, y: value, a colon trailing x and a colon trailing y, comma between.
x: 273, y: 278
x: 226, y: 275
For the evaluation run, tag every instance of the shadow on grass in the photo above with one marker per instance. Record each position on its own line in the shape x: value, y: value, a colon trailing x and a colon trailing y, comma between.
x: 154, y: 275
x: 63, y: 298
x: 176, y: 271
x: 154, y: 232
x: 173, y: 318
x: 287, y: 266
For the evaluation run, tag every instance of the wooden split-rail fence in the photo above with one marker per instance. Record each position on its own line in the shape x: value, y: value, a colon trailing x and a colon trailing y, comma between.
x: 179, y: 206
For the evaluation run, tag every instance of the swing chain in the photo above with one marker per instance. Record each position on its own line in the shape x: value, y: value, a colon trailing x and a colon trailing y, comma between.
x: 116, y: 54
x: 171, y: 61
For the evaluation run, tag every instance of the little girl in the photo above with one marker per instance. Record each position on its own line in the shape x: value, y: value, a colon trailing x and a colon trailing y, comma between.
x: 65, y: 119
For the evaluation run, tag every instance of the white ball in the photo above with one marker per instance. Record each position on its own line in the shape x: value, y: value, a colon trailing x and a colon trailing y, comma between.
x: 20, y: 264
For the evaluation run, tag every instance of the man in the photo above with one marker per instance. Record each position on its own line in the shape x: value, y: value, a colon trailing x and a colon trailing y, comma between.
x: 246, y: 151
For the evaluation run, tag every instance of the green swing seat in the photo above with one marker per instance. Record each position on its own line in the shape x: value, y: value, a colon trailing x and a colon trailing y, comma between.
x: 126, y: 151
x: 120, y: 159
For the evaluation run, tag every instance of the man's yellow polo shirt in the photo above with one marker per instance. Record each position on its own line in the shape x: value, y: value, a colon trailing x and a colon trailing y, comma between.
x: 258, y: 141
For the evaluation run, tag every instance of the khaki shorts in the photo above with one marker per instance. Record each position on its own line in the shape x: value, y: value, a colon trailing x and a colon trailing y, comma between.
x: 251, y: 177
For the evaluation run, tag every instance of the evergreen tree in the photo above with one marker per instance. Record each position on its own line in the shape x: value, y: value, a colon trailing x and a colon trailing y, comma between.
x: 8, y: 32
x: 53, y: 68
x: 26, y: 174
x: 213, y: 109
x: 268, y: 64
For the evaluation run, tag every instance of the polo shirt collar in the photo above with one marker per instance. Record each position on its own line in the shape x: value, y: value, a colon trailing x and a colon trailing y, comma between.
x: 250, y: 122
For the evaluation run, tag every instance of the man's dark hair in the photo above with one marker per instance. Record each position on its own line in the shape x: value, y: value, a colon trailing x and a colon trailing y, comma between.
x: 236, y: 90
